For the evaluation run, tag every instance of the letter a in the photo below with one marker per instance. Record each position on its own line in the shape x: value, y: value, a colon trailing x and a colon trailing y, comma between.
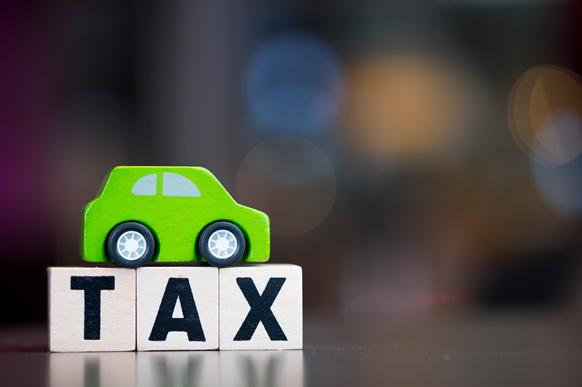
x: 177, y: 288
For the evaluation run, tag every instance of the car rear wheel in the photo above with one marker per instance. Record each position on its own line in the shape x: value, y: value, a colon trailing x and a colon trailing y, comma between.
x: 222, y: 244
x: 130, y: 244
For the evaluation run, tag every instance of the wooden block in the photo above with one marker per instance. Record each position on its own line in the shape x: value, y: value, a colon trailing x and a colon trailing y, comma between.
x: 177, y: 368
x: 261, y: 307
x: 91, y: 309
x: 111, y: 369
x: 261, y: 368
x: 177, y: 308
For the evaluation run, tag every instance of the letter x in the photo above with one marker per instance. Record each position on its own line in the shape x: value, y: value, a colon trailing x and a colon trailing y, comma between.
x: 260, y: 309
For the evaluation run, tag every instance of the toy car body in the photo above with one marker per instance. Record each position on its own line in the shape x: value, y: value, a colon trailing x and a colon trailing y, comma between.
x: 171, y: 214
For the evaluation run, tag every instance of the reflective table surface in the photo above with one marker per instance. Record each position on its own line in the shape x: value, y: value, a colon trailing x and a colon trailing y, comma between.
x: 460, y: 350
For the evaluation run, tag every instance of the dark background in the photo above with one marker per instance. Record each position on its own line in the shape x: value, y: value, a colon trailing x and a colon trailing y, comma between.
x: 414, y: 156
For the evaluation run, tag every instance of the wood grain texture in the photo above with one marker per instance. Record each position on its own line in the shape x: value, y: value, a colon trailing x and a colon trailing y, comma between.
x: 158, y: 288
x: 275, y: 291
x: 107, y: 324
x: 176, y: 221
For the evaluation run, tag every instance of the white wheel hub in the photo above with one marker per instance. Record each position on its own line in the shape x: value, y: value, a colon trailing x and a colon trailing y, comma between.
x: 131, y: 245
x: 222, y: 244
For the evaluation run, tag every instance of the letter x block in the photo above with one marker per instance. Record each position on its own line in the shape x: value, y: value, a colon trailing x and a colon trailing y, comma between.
x: 177, y: 308
x: 261, y: 307
x: 91, y: 309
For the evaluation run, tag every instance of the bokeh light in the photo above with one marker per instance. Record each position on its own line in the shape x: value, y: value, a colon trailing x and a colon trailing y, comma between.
x: 293, y: 85
x: 292, y: 180
x: 406, y: 106
x: 544, y: 110
x: 560, y: 185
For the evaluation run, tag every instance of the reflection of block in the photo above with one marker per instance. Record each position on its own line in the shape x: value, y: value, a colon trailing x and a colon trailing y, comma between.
x: 261, y: 307
x: 261, y: 368
x: 177, y: 368
x: 112, y: 369
x: 177, y: 308
x: 91, y: 309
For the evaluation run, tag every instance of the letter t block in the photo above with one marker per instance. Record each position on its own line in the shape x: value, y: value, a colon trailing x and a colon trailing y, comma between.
x: 91, y: 309
x: 261, y: 307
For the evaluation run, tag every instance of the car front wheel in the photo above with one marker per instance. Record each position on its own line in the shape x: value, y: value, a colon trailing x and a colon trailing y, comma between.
x: 130, y: 244
x: 222, y: 244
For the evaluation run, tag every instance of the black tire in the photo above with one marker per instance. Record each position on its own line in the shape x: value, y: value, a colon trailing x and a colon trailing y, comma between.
x: 213, y: 259
x: 115, y: 235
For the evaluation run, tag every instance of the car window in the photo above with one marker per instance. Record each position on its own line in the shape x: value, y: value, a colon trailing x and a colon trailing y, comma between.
x: 176, y: 185
x: 145, y: 186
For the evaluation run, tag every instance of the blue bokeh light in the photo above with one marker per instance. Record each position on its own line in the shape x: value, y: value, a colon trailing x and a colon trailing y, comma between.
x: 294, y: 86
x: 560, y: 185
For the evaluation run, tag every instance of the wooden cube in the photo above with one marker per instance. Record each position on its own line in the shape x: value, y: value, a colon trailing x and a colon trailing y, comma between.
x: 261, y: 307
x: 111, y: 369
x: 261, y: 368
x: 177, y: 308
x: 178, y: 368
x: 91, y: 309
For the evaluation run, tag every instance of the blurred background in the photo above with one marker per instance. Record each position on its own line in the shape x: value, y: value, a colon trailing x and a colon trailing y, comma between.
x: 414, y: 156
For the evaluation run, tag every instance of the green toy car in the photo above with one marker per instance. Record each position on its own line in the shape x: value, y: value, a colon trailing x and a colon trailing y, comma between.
x: 171, y: 214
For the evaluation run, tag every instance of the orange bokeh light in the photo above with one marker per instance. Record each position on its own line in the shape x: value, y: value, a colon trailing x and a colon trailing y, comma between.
x: 405, y: 107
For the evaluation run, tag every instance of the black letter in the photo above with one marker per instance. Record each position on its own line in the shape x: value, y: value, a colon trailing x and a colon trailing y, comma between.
x: 177, y: 288
x: 93, y: 287
x: 260, y: 309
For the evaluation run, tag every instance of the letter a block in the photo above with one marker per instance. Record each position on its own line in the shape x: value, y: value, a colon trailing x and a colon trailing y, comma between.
x: 177, y: 308
x: 91, y: 309
x: 261, y: 307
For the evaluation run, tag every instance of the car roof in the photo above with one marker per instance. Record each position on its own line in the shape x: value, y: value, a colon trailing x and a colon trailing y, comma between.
x: 123, y: 177
x: 156, y: 169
